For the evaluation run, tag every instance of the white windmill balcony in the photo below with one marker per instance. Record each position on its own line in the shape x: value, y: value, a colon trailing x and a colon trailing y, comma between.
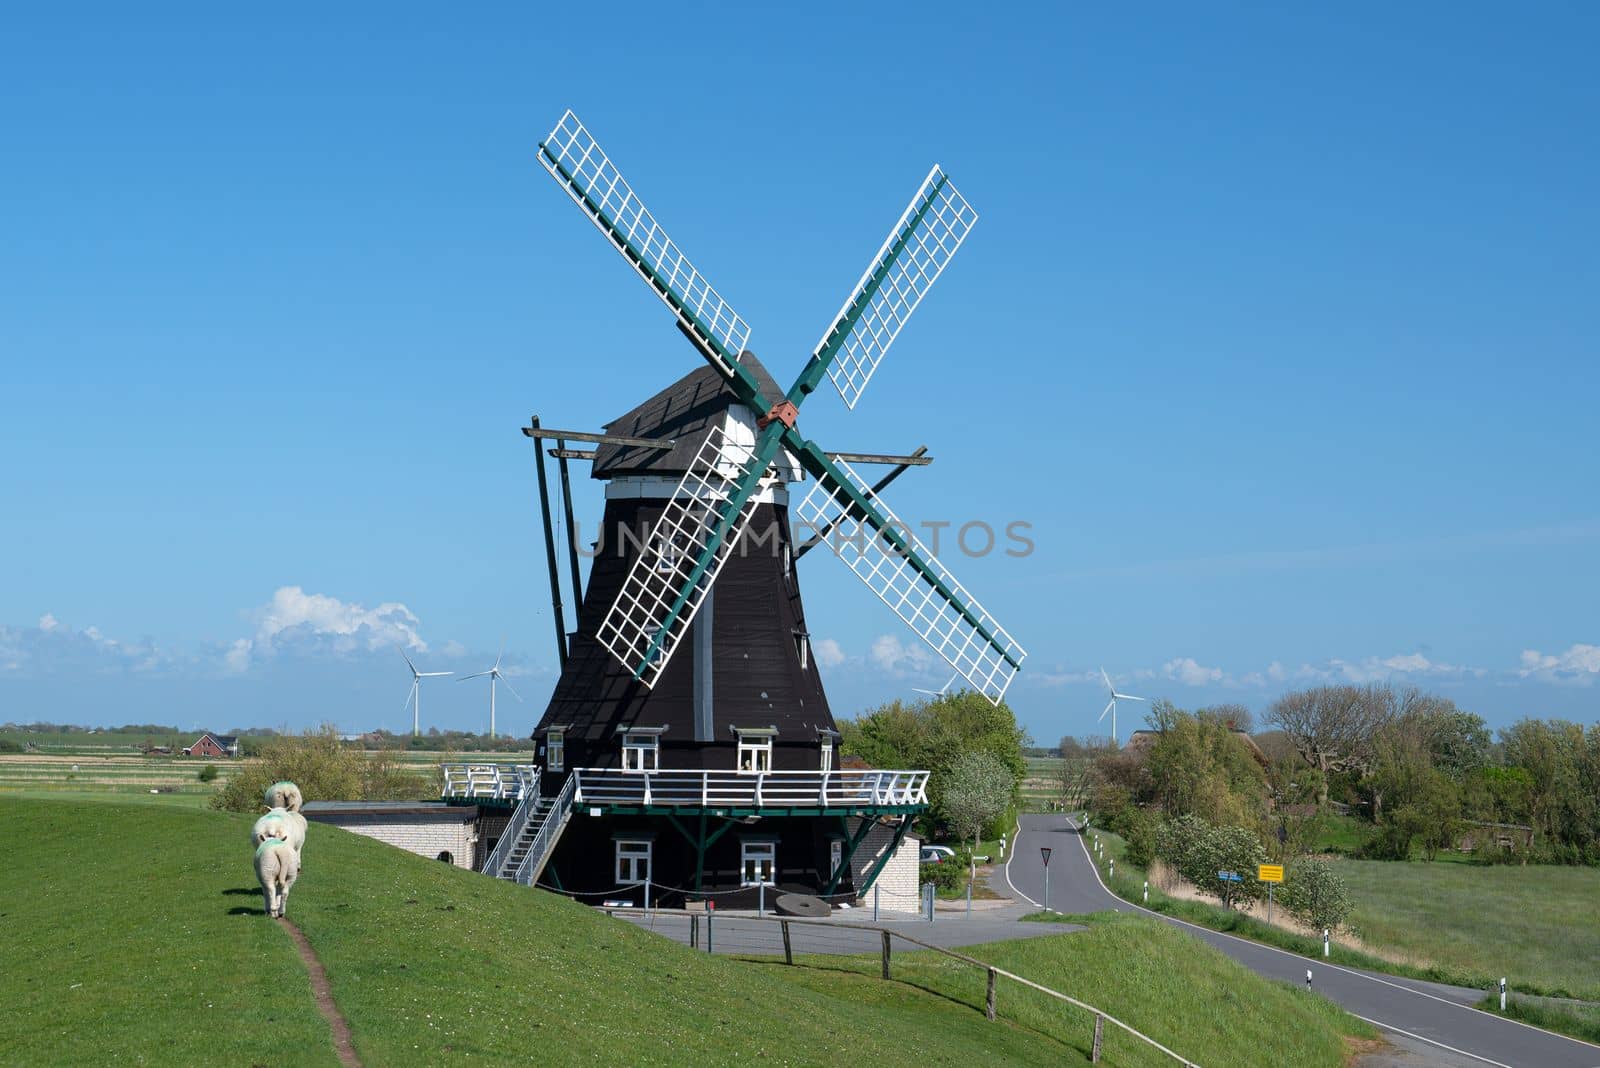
x: 490, y: 782
x: 745, y: 790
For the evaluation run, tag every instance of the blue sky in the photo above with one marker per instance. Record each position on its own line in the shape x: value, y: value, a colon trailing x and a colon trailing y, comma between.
x: 1279, y: 328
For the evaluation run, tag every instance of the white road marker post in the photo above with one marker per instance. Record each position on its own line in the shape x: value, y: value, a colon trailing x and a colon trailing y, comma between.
x: 1502, y: 993
x: 1308, y: 980
x: 1324, y: 943
x: 1112, y: 874
x: 1147, y: 891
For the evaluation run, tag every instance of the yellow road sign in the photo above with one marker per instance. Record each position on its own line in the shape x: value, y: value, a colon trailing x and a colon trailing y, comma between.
x: 1269, y: 873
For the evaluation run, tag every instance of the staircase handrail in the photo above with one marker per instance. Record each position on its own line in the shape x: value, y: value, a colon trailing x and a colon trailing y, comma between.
x: 555, y: 818
x: 514, y: 828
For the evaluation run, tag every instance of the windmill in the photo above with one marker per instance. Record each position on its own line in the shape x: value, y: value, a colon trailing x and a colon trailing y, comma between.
x: 941, y: 691
x: 712, y: 505
x: 689, y: 654
x: 494, y: 675
x: 1111, y: 706
x: 414, y: 698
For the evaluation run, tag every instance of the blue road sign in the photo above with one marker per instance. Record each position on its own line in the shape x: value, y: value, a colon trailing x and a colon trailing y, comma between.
x: 1230, y: 877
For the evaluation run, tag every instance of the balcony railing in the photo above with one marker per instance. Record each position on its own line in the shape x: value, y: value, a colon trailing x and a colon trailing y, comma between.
x: 774, y: 789
x: 497, y: 782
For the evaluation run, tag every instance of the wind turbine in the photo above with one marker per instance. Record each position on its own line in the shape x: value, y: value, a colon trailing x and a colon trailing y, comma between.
x: 495, y: 675
x: 1111, y: 706
x: 941, y: 691
x: 415, y: 698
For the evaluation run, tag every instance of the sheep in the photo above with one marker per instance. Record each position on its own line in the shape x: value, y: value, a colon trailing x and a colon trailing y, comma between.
x: 284, y: 794
x: 272, y: 825
x: 276, y: 868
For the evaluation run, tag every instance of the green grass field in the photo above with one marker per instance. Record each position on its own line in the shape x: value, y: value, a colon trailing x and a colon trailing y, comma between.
x: 1213, y: 1011
x: 134, y: 936
x: 1539, y: 925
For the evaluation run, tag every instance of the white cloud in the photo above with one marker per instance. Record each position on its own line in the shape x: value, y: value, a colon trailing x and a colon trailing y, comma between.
x: 48, y: 622
x: 1382, y: 668
x: 828, y: 652
x: 895, y: 657
x: 1578, y: 665
x: 1189, y: 672
x: 296, y: 618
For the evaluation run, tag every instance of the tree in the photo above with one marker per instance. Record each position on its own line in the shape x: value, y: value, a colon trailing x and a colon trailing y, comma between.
x: 1332, y: 727
x: 1234, y: 717
x: 1198, y: 765
x: 933, y: 734
x: 323, y: 767
x: 1314, y: 894
x: 976, y: 789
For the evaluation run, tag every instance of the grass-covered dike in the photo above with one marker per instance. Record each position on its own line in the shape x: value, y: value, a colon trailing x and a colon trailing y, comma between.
x: 134, y: 937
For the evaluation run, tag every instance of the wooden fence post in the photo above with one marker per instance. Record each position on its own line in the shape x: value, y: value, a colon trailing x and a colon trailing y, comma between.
x: 694, y: 931
x: 788, y: 950
x: 1099, y: 1037
x: 886, y: 954
x: 988, y: 1003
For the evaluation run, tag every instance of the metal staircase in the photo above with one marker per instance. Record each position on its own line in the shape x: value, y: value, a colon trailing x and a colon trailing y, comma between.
x: 531, y: 836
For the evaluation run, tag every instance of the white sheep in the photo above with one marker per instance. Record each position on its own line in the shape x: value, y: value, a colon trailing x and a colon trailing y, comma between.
x: 284, y: 794
x: 272, y: 825
x: 276, y: 868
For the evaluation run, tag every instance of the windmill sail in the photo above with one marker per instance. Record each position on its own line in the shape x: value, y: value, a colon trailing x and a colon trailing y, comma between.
x: 576, y: 161
x: 888, y: 558
x: 915, y: 253
x: 671, y: 576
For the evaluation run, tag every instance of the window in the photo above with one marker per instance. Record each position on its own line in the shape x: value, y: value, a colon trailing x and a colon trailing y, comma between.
x: 802, y: 648
x: 555, y: 752
x: 758, y: 863
x: 827, y: 753
x: 633, y: 861
x: 788, y: 561
x: 755, y: 753
x: 650, y: 632
x: 835, y: 856
x: 641, y: 752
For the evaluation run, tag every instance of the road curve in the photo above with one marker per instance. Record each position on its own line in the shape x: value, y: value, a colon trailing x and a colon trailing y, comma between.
x: 1437, y: 1014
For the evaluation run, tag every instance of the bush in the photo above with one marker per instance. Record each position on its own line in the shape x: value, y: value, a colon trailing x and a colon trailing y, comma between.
x: 1315, y: 894
x: 946, y: 876
x: 8, y: 745
x: 325, y: 769
x: 208, y: 773
x: 1197, y: 851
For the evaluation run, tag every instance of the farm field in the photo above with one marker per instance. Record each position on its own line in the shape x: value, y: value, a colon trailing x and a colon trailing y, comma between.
x: 124, y: 775
x: 1043, y: 783
x: 1536, y: 925
x: 431, y: 965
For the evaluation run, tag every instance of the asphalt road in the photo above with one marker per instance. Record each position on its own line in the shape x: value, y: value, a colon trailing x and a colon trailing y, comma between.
x: 1430, y: 1012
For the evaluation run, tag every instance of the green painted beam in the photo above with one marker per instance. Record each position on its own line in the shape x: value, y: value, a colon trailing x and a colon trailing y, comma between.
x: 851, y: 845
x: 877, y: 867
x: 767, y: 446
x: 811, y: 375
x: 745, y: 383
x: 861, y: 507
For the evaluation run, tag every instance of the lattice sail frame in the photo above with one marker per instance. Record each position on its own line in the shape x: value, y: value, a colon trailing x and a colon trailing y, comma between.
x: 887, y: 573
x: 578, y: 164
x: 664, y: 566
x: 930, y: 238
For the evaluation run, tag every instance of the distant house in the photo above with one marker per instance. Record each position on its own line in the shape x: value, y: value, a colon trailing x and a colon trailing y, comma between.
x: 220, y: 746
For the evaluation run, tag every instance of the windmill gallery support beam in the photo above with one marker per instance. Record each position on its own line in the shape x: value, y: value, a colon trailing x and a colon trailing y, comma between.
x: 572, y: 529
x: 559, y: 617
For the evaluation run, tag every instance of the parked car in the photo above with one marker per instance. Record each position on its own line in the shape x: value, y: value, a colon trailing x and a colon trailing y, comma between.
x: 936, y: 854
